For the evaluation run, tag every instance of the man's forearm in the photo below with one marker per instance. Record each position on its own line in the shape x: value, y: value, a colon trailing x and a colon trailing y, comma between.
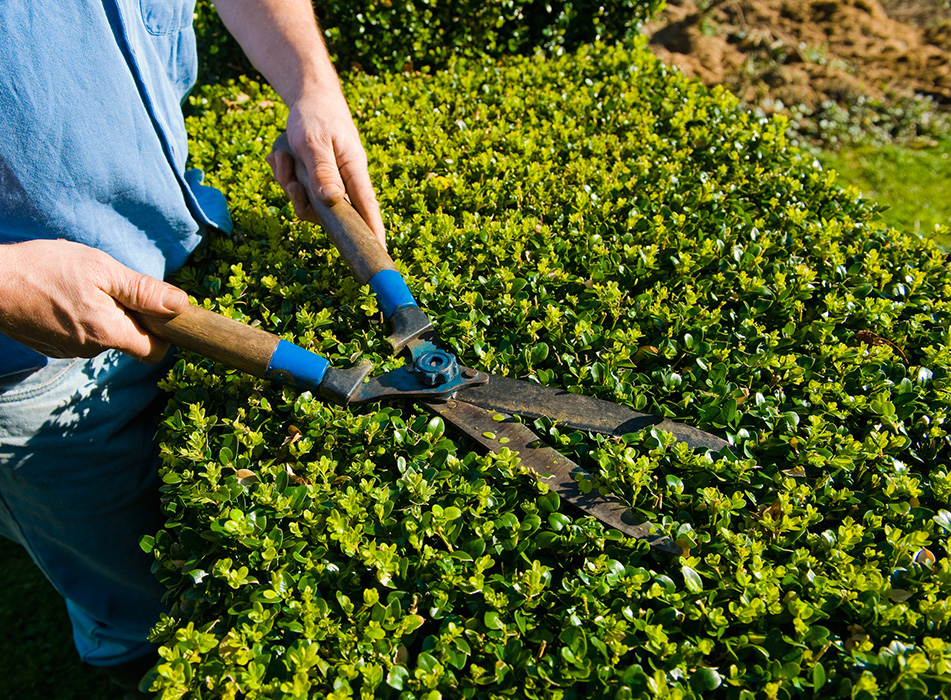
x: 283, y: 41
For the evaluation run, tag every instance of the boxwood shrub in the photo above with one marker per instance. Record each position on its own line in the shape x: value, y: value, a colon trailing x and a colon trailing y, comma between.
x: 385, y: 36
x: 595, y: 222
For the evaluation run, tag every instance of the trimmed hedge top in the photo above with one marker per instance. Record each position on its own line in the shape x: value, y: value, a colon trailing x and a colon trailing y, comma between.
x: 384, y: 36
x: 595, y: 222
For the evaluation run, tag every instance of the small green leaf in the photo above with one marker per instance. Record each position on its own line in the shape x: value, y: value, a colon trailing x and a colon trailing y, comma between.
x: 539, y: 353
x: 493, y: 621
x: 426, y: 661
x: 705, y: 679
x: 558, y: 521
x: 818, y: 676
x: 549, y: 502
x: 692, y: 580
x: 396, y: 677
x: 943, y: 519
x: 412, y: 623
x: 435, y: 428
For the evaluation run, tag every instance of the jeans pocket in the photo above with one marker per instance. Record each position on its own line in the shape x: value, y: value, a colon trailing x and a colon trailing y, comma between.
x: 28, y: 385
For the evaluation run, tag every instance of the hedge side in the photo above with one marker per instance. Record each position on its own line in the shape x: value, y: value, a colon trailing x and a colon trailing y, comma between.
x: 384, y: 36
x: 595, y: 222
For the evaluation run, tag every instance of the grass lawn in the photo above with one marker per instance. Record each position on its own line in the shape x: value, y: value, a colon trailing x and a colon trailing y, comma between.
x: 36, y: 647
x: 912, y: 185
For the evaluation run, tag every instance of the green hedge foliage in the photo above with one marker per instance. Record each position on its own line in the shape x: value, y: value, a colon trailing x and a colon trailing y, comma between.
x: 395, y: 35
x: 595, y: 222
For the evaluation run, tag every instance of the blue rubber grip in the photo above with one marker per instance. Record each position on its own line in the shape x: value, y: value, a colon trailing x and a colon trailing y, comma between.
x: 291, y: 364
x: 391, y: 291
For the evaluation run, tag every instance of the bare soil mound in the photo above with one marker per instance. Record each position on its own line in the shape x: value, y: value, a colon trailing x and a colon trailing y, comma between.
x: 806, y: 52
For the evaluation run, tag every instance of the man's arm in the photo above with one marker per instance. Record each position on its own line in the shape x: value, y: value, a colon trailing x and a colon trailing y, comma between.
x: 65, y: 299
x: 283, y: 41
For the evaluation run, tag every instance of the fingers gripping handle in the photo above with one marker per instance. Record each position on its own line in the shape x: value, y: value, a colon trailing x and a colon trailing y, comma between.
x: 360, y: 248
x: 263, y: 354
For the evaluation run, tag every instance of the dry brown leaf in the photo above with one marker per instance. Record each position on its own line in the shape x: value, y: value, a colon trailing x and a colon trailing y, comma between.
x: 645, y: 351
x: 296, y: 479
x: 246, y: 477
x: 293, y: 435
x: 870, y: 338
x: 925, y: 556
x: 774, y: 510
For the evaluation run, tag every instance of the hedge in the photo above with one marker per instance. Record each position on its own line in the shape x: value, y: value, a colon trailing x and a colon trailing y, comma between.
x: 596, y: 222
x: 384, y: 36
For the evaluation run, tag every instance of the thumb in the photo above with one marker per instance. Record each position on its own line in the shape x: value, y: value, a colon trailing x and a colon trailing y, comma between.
x: 146, y: 294
x: 327, y: 184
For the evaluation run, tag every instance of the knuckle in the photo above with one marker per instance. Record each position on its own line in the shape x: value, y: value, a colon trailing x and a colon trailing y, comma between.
x: 316, y: 141
x: 143, y: 290
x: 96, y: 265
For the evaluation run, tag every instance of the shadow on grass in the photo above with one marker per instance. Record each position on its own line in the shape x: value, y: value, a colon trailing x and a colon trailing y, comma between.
x: 37, y: 657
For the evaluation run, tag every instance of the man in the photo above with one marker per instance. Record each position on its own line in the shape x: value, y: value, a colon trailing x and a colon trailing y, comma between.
x: 96, y: 208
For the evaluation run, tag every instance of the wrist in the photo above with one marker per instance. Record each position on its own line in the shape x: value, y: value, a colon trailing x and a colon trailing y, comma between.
x: 318, y: 82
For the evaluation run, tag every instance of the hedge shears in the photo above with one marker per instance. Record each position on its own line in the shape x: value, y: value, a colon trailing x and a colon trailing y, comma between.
x: 480, y: 405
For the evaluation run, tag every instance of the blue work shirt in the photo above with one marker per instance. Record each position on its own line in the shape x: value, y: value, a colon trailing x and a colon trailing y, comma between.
x: 93, y: 144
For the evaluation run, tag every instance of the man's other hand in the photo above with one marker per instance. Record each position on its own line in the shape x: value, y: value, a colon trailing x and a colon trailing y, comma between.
x: 66, y: 299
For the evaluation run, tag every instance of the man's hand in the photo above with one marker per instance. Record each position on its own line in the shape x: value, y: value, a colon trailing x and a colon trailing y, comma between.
x: 321, y: 132
x: 283, y: 41
x: 65, y: 299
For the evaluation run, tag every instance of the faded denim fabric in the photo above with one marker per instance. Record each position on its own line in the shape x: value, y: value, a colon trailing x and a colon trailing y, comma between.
x: 79, y: 487
x: 94, y: 143
x: 93, y: 150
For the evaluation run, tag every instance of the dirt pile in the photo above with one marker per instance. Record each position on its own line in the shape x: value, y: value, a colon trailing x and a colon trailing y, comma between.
x: 809, y: 51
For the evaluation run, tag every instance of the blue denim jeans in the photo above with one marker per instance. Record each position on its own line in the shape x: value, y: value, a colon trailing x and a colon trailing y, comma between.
x: 79, y: 488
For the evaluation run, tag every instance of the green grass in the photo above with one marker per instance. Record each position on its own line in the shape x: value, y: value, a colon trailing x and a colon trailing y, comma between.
x: 912, y: 185
x: 39, y: 660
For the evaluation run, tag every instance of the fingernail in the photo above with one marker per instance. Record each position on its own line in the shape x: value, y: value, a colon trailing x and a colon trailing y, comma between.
x: 174, y: 299
x: 332, y: 193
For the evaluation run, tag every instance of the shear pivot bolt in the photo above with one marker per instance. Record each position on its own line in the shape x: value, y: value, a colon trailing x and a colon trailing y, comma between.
x: 436, y: 367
